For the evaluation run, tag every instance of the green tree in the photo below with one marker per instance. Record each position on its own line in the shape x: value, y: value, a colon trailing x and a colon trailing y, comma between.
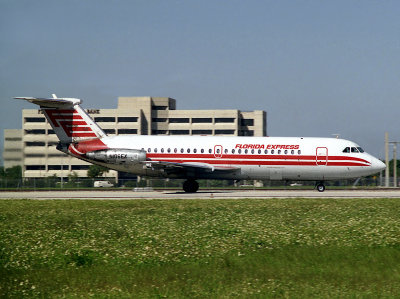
x: 95, y: 171
x: 14, y: 172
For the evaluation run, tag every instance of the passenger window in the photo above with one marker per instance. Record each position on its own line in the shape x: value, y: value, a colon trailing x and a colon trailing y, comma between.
x: 346, y: 150
x: 292, y: 152
x: 279, y: 151
x: 259, y: 151
x: 155, y: 150
x: 182, y: 150
x: 239, y: 151
x: 285, y: 152
x: 149, y: 150
x: 233, y: 151
x: 246, y: 151
x: 299, y: 152
x: 168, y: 150
x: 265, y: 151
x: 210, y: 151
x: 175, y: 150
x: 252, y: 151
x: 272, y: 151
x: 202, y: 150
x: 226, y: 151
x: 188, y: 150
x: 195, y: 150
x: 162, y: 150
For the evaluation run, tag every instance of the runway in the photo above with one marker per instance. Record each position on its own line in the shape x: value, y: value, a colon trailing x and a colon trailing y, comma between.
x: 202, y: 194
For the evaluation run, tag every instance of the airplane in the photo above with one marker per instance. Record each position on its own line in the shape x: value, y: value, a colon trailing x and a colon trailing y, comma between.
x: 205, y: 157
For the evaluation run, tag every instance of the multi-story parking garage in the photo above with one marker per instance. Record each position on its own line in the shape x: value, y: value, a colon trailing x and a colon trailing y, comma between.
x: 34, y: 147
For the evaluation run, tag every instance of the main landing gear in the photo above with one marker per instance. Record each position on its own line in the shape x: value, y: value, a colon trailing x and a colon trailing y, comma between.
x: 320, y: 186
x: 190, y: 186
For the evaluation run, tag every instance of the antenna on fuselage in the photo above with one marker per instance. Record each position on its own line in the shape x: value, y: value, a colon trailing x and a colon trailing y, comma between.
x: 336, y: 135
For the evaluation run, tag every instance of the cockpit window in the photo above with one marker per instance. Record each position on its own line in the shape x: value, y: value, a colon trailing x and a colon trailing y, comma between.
x: 360, y: 149
x: 354, y: 150
x: 346, y: 150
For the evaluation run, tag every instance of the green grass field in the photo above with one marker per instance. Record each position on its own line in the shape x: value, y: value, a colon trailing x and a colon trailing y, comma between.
x: 250, y: 248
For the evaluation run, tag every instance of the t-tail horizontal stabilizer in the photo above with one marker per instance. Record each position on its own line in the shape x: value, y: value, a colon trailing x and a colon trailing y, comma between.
x: 69, y: 121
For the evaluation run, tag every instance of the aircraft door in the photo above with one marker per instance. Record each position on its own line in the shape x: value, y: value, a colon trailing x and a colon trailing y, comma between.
x: 218, y: 151
x: 321, y: 156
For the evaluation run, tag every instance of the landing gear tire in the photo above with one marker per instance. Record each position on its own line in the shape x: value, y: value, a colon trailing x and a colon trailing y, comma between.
x: 320, y: 187
x: 190, y: 186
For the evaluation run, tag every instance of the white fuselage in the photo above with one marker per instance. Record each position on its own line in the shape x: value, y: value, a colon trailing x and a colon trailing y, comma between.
x: 264, y: 158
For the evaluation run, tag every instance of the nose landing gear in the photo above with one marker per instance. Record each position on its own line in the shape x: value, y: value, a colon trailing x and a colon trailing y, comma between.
x: 320, y: 186
x: 190, y: 186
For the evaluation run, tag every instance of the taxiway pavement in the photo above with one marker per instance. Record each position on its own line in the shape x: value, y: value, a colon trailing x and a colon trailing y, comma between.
x: 205, y: 194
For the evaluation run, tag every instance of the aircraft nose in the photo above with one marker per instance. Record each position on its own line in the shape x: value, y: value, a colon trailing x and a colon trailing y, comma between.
x: 377, y: 164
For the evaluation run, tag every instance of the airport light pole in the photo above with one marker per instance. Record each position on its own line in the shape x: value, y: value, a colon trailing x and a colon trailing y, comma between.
x: 387, y: 159
x: 387, y: 143
x: 394, y: 162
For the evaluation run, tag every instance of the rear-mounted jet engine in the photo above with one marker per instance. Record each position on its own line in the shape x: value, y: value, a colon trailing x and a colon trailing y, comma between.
x: 118, y: 156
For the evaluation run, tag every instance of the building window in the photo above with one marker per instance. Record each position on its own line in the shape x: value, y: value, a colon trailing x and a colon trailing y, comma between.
x: 50, y: 132
x: 202, y: 120
x: 34, y: 155
x: 160, y: 107
x: 35, y: 131
x: 178, y: 120
x: 159, y: 120
x: 13, y: 139
x: 104, y: 119
x: 224, y: 120
x: 35, y: 119
x: 201, y: 132
x: 34, y: 143
x: 79, y: 167
x: 159, y: 132
x: 52, y: 143
x: 35, y: 167
x: 109, y: 131
x: 127, y: 131
x: 54, y: 167
x: 127, y: 119
x: 179, y: 132
x: 56, y: 155
x: 247, y: 122
x: 224, y: 132
x: 246, y: 133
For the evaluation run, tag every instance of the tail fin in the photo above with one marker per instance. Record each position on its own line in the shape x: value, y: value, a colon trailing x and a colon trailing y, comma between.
x: 67, y: 118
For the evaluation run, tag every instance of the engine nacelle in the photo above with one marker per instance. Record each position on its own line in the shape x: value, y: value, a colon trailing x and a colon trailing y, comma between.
x: 118, y: 156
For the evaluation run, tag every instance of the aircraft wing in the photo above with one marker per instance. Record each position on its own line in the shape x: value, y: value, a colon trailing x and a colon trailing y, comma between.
x: 188, y: 167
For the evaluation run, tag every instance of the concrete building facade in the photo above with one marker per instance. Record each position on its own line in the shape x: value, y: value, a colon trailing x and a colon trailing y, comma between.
x: 34, y: 147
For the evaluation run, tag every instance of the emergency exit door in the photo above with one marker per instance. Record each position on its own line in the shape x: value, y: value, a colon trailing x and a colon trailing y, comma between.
x: 322, y: 156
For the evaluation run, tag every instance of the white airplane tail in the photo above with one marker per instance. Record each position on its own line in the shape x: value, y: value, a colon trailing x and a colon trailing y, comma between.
x: 69, y: 121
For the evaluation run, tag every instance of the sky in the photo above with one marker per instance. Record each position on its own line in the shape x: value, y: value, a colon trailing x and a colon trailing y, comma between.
x: 317, y: 67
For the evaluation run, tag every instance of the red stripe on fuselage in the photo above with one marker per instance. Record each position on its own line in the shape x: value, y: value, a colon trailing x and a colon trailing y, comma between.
x: 257, y: 159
